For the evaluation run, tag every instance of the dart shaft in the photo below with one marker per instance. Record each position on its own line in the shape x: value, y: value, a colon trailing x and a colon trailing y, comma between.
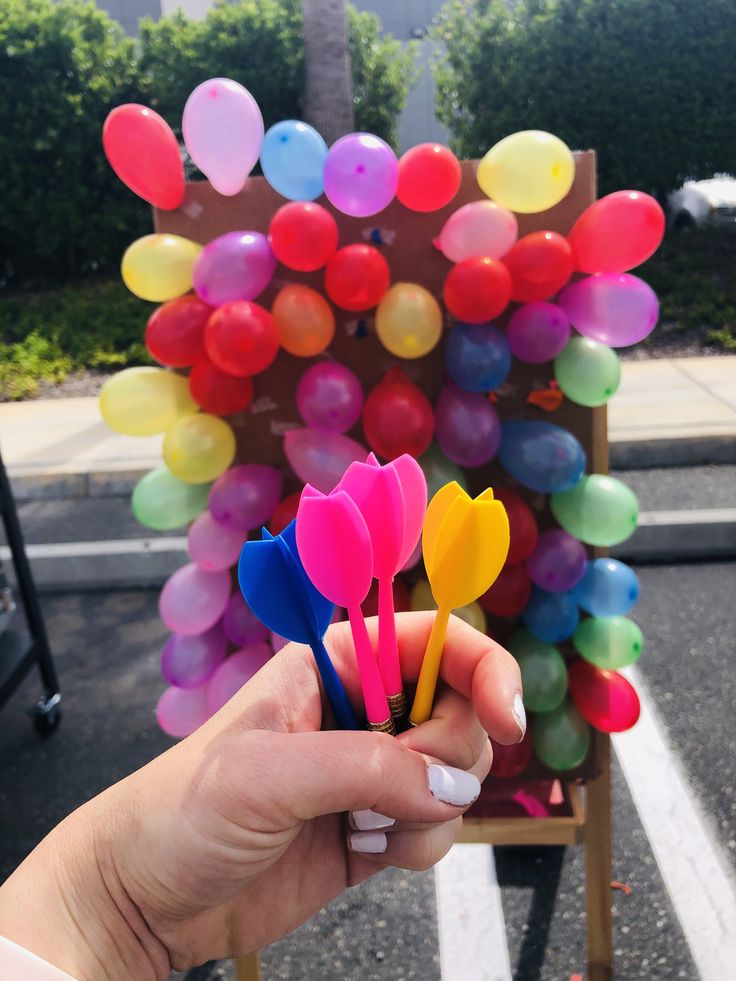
x: 376, y: 706
x: 341, y: 707
x: 388, y: 650
x: 421, y: 709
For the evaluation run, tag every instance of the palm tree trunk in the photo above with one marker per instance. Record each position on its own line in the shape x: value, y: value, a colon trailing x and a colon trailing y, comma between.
x: 328, y: 96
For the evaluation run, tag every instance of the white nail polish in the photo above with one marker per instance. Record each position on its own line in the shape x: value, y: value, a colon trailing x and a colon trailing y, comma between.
x: 369, y: 842
x: 519, y: 714
x: 371, y: 820
x: 452, y: 786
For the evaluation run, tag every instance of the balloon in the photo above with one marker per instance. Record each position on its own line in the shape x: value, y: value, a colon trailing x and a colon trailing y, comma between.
x: 329, y: 396
x: 180, y: 711
x: 190, y: 661
x: 304, y: 321
x: 599, y: 510
x: 468, y: 430
x: 162, y: 502
x: 605, y: 699
x: 543, y: 671
x: 175, y: 331
x: 144, y: 401
x: 212, y: 546
x: 360, y: 175
x: 284, y: 514
x: 552, y: 617
x: 540, y: 455
x: 408, y: 321
x: 235, y: 671
x: 478, y: 229
x: 540, y: 265
x: 159, y: 267
x: 522, y: 525
x: 197, y: 449
x: 223, y: 131
x: 246, y: 496
x: 414, y: 558
x: 615, y: 309
x: 558, y: 562
x: 217, y: 392
x: 303, y: 236
x: 402, y: 600
x: 511, y: 761
x: 357, y: 277
x: 510, y: 593
x: 320, y: 458
x: 398, y: 417
x: 242, y: 338
x: 617, y: 232
x: 609, y: 642
x: 234, y: 266
x: 561, y: 737
x: 608, y: 588
x: 472, y: 614
x: 438, y: 471
x: 587, y: 372
x: 429, y: 177
x: 240, y: 623
x: 141, y: 148
x: 537, y: 332
x: 193, y: 600
x: 278, y: 642
x: 477, y: 357
x: 527, y: 172
x: 293, y: 158
x: 477, y: 290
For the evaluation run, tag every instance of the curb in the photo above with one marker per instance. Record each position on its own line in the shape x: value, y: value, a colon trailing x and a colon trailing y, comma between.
x: 681, y: 536
x: 681, y: 451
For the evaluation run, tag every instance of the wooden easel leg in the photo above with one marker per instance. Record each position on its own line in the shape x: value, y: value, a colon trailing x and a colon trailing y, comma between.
x: 598, y: 868
x: 248, y: 968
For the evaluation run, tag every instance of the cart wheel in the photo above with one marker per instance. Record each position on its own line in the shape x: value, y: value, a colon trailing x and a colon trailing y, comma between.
x: 47, y: 716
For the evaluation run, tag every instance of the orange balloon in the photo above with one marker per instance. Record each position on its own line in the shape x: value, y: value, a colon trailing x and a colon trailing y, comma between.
x: 305, y: 321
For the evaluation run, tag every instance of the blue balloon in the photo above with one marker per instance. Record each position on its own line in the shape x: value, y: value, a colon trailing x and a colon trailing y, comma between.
x: 609, y: 588
x: 477, y: 357
x: 541, y: 456
x: 293, y: 159
x: 552, y: 617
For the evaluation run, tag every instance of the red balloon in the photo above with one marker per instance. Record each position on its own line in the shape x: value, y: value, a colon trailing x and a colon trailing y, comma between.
x: 540, y: 265
x: 284, y: 513
x: 617, y: 233
x: 510, y: 593
x: 175, y: 331
x: 429, y: 177
x: 522, y: 525
x: 477, y: 290
x: 398, y: 417
x: 510, y: 761
x: 142, y: 150
x: 402, y: 600
x: 357, y: 277
x: 242, y: 338
x: 217, y: 392
x: 605, y: 699
x: 303, y: 235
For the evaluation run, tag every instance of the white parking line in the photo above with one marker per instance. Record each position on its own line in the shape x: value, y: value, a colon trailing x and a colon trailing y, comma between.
x: 126, y: 546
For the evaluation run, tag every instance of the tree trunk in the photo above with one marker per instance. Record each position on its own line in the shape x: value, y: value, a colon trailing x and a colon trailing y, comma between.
x: 328, y: 96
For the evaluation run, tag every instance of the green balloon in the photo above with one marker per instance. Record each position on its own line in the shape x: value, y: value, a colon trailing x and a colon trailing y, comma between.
x: 598, y: 510
x: 543, y: 671
x: 561, y: 737
x: 438, y: 471
x: 163, y: 502
x: 609, y: 642
x: 587, y: 371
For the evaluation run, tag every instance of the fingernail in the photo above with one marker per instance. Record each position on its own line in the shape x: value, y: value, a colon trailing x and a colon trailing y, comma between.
x: 452, y: 786
x: 371, y: 820
x: 370, y: 842
x: 519, y: 714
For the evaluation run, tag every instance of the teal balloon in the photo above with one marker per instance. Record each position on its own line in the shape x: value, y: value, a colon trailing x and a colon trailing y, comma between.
x: 293, y: 159
x: 438, y: 471
x: 599, y: 510
x: 561, y: 737
x: 163, y: 502
x: 587, y: 371
x: 543, y: 671
x: 541, y: 455
x: 609, y: 642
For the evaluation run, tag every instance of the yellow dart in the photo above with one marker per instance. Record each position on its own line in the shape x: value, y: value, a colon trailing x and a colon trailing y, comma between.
x: 464, y: 543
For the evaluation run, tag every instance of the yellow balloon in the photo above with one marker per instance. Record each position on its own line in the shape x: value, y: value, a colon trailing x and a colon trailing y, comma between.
x: 408, y: 321
x: 474, y: 615
x: 159, y: 267
x: 421, y: 597
x: 145, y: 401
x: 527, y: 172
x: 199, y: 448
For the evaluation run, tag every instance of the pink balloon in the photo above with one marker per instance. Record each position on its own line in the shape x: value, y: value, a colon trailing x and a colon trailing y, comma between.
x: 614, y: 308
x: 212, y: 546
x: 481, y: 228
x: 193, y: 600
x: 235, y: 266
x: 234, y: 672
x: 558, y: 561
x: 361, y: 174
x: 467, y: 427
x: 189, y: 661
x: 182, y: 710
x: 240, y: 623
x: 320, y: 458
x: 329, y: 397
x: 246, y: 496
x: 537, y: 332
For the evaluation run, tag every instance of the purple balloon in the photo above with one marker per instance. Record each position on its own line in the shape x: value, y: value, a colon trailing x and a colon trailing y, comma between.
x: 235, y: 266
x: 329, y: 397
x: 240, y: 623
x: 558, y: 562
x: 212, y: 546
x: 188, y: 662
x: 246, y: 496
x: 193, y: 600
x: 278, y: 642
x: 537, y: 332
x: 320, y: 458
x: 182, y: 710
x: 614, y: 308
x: 467, y: 427
x: 234, y: 672
x: 361, y: 174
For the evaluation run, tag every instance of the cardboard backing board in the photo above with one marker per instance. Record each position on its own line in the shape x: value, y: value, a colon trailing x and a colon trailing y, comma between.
x: 405, y: 238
